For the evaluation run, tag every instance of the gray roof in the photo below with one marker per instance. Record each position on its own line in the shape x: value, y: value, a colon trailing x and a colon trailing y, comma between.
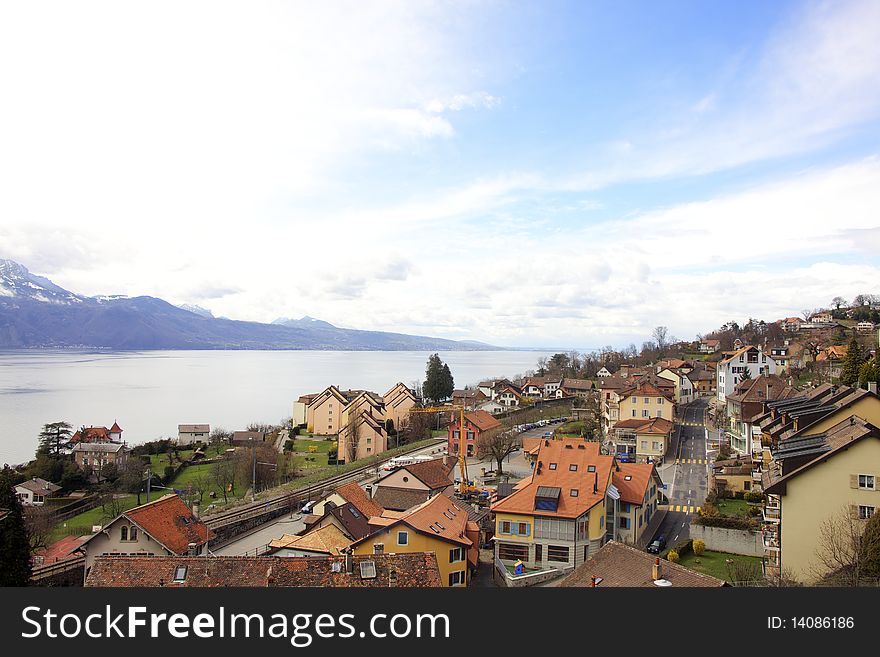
x: 103, y: 448
x: 39, y: 485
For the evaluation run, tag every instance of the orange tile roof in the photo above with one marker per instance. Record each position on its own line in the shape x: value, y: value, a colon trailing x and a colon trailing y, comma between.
x: 633, y: 490
x: 654, y: 425
x: 564, y: 454
x: 328, y: 539
x: 438, y: 517
x: 434, y: 474
x: 358, y: 497
x: 483, y: 420
x: 169, y: 521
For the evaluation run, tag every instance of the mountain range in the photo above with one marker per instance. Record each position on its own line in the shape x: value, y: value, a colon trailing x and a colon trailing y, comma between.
x: 36, y: 313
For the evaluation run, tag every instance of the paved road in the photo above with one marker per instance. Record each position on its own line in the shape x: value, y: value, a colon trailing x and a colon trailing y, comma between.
x: 685, y: 472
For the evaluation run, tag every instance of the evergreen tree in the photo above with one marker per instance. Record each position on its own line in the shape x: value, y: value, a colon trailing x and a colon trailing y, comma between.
x: 438, y: 383
x: 852, y: 363
x: 15, y: 547
x: 55, y: 439
x: 869, y: 372
x: 746, y: 375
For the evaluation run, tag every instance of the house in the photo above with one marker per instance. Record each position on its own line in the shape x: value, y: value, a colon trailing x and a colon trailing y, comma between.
x: 97, y: 435
x: 702, y: 381
x: 492, y: 407
x: 362, y: 428
x: 478, y: 424
x: 397, y: 403
x: 822, y: 317
x: 35, y: 491
x: 731, y: 369
x: 641, y: 440
x: 619, y: 565
x: 164, y: 527
x: 609, y: 400
x: 822, y: 475
x: 605, y: 371
x: 746, y: 403
x: 346, y: 517
x: 470, y: 399
x: 187, y: 434
x: 738, y: 344
x: 508, y: 396
x: 556, y: 518
x: 324, y: 412
x: 490, y: 386
x: 91, y: 457
x: 247, y: 438
x: 342, y: 571
x: 732, y: 476
x: 350, y: 493
x: 684, y: 389
x: 710, y: 346
x: 441, y: 525
x: 533, y: 386
x: 300, y: 409
x: 782, y: 355
x: 647, y: 398
x: 638, y: 486
x: 790, y: 324
x: 326, y: 541
x: 583, y: 388
x: 865, y: 327
x: 551, y: 385
x: 411, y: 485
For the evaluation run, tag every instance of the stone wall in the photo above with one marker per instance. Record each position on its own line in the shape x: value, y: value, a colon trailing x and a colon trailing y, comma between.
x: 721, y: 539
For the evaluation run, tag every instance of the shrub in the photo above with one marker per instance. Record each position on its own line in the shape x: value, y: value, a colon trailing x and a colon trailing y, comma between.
x: 754, y: 511
x: 738, y: 495
x: 753, y: 496
x: 169, y: 473
x: 673, y: 556
x: 699, y: 547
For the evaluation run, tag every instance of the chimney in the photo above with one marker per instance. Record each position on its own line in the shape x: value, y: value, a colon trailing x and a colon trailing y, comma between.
x: 656, y: 571
x: 596, y: 482
x: 593, y: 581
x: 349, y: 563
x: 195, y: 510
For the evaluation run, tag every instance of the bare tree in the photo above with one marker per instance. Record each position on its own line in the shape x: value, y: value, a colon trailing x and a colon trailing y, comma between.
x: 224, y: 475
x: 660, y: 336
x: 497, y: 445
x: 806, y: 313
x: 839, y: 554
x: 39, y: 523
x: 837, y: 302
x: 351, y: 437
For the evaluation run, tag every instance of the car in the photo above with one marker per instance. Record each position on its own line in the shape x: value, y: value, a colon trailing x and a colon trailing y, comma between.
x: 657, y: 545
x: 307, y: 507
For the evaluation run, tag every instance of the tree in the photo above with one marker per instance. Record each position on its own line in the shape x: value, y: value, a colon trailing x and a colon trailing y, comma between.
x: 852, y: 363
x: 870, y: 548
x: 55, y: 439
x: 745, y: 375
x: 438, y: 383
x: 15, y: 547
x: 869, y: 372
x: 497, y: 445
x: 131, y: 477
x: 660, y: 336
x: 351, y: 437
x: 840, y: 558
x: 837, y: 302
x: 39, y: 521
x: 224, y: 474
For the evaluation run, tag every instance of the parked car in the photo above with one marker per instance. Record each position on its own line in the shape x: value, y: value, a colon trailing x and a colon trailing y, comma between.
x: 657, y: 545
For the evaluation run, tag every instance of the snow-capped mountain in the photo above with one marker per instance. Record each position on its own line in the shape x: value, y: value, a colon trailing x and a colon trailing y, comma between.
x: 304, y: 322
x: 18, y: 283
x: 198, y: 310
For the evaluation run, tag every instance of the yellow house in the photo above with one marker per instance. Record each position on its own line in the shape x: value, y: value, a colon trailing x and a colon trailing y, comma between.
x: 638, y: 485
x: 646, y: 400
x: 324, y: 412
x: 362, y: 428
x: 556, y: 518
x: 440, y: 526
x: 398, y: 401
x: 642, y: 440
x: 817, y: 478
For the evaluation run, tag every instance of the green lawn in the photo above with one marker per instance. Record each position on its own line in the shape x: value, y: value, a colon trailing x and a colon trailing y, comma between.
x: 715, y: 563
x: 158, y: 462
x: 82, y: 524
x: 439, y: 433
x: 191, y: 474
x: 733, y: 508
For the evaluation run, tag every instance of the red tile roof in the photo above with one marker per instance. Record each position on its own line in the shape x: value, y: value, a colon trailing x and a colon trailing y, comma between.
x: 655, y: 425
x: 416, y: 569
x: 633, y: 490
x: 434, y: 474
x: 483, y: 420
x: 169, y: 521
x: 564, y: 454
x: 356, y: 495
x: 115, y: 428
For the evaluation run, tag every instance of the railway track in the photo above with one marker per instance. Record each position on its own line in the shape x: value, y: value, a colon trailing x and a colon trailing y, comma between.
x: 292, y: 499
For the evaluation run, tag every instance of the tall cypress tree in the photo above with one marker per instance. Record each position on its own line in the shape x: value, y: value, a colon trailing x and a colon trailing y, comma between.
x: 852, y: 363
x: 15, y: 547
x: 438, y: 380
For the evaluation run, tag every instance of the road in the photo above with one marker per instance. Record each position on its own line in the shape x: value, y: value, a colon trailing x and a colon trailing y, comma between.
x: 685, y: 472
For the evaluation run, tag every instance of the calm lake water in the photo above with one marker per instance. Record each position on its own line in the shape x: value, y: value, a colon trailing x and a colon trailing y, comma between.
x: 150, y: 393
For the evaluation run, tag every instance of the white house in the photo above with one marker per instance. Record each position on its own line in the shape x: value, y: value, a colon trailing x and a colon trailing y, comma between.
x: 731, y: 369
x: 823, y: 317
x: 187, y: 434
x: 604, y: 373
x: 34, y: 492
x: 709, y: 346
x: 550, y: 387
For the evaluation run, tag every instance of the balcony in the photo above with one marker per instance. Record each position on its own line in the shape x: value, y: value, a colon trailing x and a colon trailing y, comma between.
x: 770, y: 540
x: 771, y: 514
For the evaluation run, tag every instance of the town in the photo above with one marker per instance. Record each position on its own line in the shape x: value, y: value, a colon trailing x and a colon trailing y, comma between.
x: 748, y: 457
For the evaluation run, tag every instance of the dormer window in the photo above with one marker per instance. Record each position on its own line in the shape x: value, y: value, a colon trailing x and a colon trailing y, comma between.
x: 573, y: 467
x: 123, y: 533
x: 552, y: 466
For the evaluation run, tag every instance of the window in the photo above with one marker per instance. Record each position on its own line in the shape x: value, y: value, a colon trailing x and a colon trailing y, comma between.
x: 655, y: 445
x: 623, y: 522
x: 504, y: 527
x: 591, y: 468
x: 470, y: 435
x: 634, y: 399
x: 456, y: 578
x: 644, y: 444
x: 180, y: 573
x: 513, y: 551
x: 133, y: 534
x: 634, y: 412
x: 574, y: 492
x: 659, y: 413
x: 647, y: 400
x: 866, y: 481
x: 573, y: 467
x: 601, y: 522
x: 456, y: 555
x: 646, y: 413
x: 379, y: 548
x: 123, y: 533
x: 522, y: 528
x: 552, y: 466
x: 659, y: 400
x: 557, y: 553
x: 402, y: 538
x: 865, y: 512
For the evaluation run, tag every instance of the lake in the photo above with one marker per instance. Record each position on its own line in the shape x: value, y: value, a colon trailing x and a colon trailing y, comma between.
x: 150, y: 393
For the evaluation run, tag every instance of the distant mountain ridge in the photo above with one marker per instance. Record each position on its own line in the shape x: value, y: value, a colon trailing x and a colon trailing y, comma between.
x: 36, y: 313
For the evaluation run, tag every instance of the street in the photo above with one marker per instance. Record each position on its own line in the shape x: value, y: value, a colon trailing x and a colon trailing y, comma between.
x: 685, y: 472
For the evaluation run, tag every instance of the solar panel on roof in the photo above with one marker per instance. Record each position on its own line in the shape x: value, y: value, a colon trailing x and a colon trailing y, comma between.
x: 549, y: 491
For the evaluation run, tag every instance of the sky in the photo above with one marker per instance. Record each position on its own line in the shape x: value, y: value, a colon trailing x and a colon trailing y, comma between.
x: 527, y: 174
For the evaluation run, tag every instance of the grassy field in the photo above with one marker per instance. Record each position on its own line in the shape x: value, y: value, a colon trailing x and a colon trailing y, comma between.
x: 317, y: 459
x: 733, y: 508
x: 82, y: 524
x: 715, y: 563
x: 158, y: 462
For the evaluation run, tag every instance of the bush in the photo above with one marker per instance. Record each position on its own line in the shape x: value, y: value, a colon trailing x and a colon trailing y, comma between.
x: 738, y: 495
x: 673, y: 556
x: 753, y: 496
x: 169, y: 473
x: 726, y: 522
x: 754, y: 511
x: 699, y: 547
